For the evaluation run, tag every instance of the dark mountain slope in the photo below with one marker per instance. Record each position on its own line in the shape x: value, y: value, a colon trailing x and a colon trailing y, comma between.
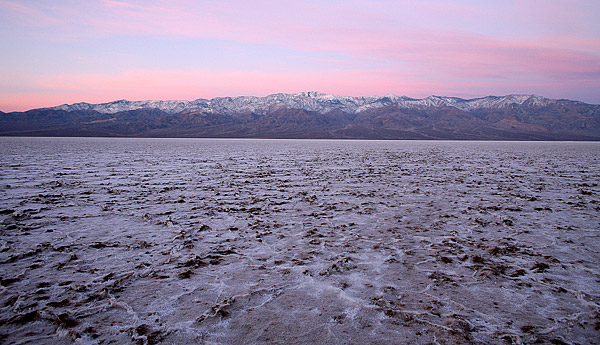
x: 315, y: 115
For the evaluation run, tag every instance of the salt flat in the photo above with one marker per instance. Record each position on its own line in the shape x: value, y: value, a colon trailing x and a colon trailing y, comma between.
x: 298, y: 241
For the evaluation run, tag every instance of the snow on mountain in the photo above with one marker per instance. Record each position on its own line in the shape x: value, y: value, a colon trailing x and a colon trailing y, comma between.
x: 124, y: 105
x: 309, y: 101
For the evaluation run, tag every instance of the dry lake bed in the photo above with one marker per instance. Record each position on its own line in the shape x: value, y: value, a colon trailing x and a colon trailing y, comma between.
x: 183, y: 241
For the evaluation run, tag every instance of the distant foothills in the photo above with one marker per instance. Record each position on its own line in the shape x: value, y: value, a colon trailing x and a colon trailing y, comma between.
x: 318, y: 115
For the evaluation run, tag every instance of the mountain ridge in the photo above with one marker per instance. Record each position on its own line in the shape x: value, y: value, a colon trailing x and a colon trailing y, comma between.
x: 311, y: 101
x: 318, y: 115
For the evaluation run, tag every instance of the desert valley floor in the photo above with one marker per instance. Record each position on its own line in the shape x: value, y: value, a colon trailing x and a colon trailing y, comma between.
x: 146, y: 241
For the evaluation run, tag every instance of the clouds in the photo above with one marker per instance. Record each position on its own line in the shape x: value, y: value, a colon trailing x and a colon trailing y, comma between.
x: 417, y: 48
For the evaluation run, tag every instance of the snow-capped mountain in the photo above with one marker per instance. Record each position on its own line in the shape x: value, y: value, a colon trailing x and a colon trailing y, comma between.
x: 319, y: 115
x: 309, y: 101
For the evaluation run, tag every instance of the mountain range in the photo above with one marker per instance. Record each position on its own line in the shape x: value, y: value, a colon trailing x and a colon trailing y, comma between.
x: 318, y: 115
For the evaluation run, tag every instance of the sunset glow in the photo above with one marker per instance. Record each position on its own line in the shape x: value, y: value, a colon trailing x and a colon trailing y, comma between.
x: 57, y: 52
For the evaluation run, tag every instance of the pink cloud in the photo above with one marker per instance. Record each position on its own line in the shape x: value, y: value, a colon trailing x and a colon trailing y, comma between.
x: 447, y: 53
x: 30, y: 14
x: 452, y: 55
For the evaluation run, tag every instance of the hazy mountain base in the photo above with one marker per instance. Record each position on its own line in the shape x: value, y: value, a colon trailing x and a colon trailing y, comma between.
x: 229, y: 242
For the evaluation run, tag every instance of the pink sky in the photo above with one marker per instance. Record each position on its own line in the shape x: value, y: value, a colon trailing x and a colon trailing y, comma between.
x: 59, y: 52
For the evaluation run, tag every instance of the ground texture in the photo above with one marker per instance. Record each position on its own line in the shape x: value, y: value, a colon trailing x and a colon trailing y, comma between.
x: 327, y: 242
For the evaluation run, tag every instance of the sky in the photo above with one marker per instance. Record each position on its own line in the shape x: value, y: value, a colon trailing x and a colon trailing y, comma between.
x: 56, y: 52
